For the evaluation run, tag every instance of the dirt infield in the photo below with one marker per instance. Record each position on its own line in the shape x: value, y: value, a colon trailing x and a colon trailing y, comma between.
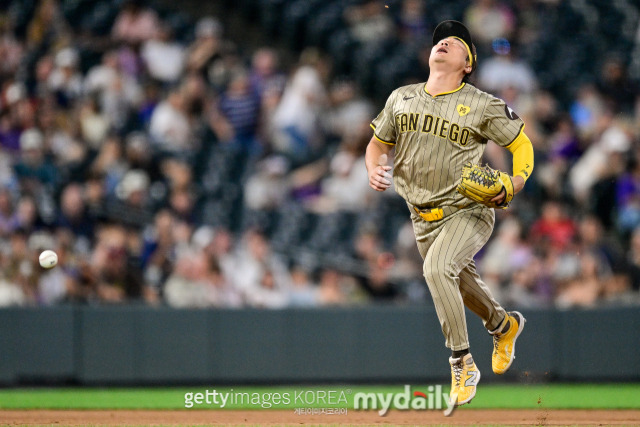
x: 270, y: 418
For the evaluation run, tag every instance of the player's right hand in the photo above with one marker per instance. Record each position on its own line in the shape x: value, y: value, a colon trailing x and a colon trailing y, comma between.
x: 379, y: 177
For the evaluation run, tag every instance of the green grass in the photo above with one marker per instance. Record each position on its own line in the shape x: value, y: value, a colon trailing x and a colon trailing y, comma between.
x: 560, y: 396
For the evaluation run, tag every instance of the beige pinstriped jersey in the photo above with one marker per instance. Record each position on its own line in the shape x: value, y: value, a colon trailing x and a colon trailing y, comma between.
x: 435, y: 136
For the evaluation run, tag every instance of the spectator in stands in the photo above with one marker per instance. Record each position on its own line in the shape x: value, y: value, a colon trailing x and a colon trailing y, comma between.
x: 564, y: 148
x: 628, y: 195
x: 504, y: 69
x: 591, y: 238
x: 34, y: 170
x: 368, y: 22
x: 265, y: 74
x: 633, y: 257
x: 163, y: 56
x: 585, y: 110
x: 11, y: 290
x: 295, y: 122
x: 585, y: 289
x: 376, y: 263
x: 135, y: 23
x: 504, y: 254
x: 488, y: 20
x: 523, y: 288
x: 10, y: 131
x: 93, y: 123
x: 269, y: 186
x: 554, y: 228
x: 407, y: 267
x: 159, y: 249
x: 348, y: 110
x: 342, y: 188
x: 48, y: 26
x: 334, y: 288
x: 239, y: 106
x: 73, y: 212
x: 258, y: 269
x: 184, y: 288
x: 19, y: 271
x: 65, y: 80
x: 615, y: 86
x: 197, y: 97
x: 412, y: 22
x: 11, y: 294
x: 109, y: 163
x: 206, y: 49
x: 117, y: 92
x: 11, y: 50
x: 198, y: 282
x: 601, y: 159
x: 303, y: 292
x: 170, y: 128
x: 270, y: 293
x: 221, y: 247
x: 133, y: 198
x: 117, y: 276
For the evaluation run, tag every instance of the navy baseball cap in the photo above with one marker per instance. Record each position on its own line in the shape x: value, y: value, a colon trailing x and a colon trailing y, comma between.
x: 459, y: 31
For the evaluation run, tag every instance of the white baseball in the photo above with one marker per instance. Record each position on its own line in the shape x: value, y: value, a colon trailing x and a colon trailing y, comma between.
x: 48, y: 259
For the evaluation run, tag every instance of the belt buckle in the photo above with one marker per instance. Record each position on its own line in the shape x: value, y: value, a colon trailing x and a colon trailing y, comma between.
x: 435, y: 214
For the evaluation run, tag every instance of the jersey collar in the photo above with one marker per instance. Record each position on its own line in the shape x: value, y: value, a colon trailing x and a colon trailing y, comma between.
x: 443, y: 93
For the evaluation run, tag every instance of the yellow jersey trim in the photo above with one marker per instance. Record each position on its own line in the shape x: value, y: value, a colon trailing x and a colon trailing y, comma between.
x: 378, y: 138
x: 443, y: 93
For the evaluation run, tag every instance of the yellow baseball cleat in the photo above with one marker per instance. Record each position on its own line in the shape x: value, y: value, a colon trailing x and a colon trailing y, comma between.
x: 464, y: 379
x: 504, y: 344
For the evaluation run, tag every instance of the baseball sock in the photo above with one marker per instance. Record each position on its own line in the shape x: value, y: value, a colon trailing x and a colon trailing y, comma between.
x: 456, y: 354
x: 506, y: 327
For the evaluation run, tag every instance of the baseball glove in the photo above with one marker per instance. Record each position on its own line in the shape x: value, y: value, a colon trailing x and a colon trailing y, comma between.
x: 482, y: 183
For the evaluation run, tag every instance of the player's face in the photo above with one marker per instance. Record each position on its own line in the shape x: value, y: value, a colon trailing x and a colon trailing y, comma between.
x: 451, y: 53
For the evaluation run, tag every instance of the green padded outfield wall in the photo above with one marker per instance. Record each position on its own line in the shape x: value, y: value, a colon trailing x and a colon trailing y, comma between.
x: 136, y: 345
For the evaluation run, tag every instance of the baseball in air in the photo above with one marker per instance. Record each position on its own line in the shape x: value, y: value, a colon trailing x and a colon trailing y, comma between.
x: 48, y: 259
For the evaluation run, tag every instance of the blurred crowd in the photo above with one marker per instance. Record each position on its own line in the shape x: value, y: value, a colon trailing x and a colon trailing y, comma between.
x: 170, y: 164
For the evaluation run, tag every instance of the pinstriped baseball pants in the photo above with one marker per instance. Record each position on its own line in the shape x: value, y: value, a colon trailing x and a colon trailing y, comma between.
x: 448, y: 247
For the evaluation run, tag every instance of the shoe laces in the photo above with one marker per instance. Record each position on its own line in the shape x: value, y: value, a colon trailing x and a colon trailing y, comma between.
x: 496, y: 342
x: 457, y: 371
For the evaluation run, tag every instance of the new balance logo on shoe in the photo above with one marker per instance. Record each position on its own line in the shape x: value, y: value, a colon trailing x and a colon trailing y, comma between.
x: 472, y: 379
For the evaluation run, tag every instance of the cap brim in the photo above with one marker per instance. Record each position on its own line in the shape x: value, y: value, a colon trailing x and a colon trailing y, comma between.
x: 452, y: 29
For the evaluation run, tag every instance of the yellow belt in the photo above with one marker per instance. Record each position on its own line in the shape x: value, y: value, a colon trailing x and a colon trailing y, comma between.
x: 436, y: 214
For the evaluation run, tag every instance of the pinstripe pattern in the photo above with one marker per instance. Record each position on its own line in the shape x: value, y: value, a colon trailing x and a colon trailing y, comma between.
x: 428, y: 166
x: 448, y: 248
x: 434, y: 136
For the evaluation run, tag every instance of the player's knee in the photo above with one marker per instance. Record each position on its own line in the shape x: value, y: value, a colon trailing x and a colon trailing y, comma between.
x: 437, y: 272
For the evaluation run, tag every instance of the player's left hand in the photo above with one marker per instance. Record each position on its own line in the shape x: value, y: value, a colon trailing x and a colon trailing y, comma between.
x: 518, y: 184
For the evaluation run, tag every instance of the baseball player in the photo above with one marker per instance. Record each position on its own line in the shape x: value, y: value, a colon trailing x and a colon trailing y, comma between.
x: 439, y: 130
